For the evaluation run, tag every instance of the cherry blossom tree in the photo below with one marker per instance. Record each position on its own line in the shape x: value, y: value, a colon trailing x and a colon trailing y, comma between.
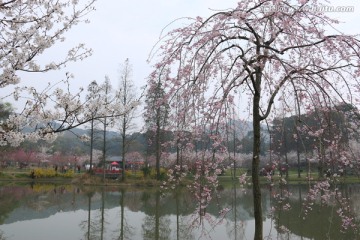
x: 263, y: 54
x: 28, y: 29
x: 22, y: 157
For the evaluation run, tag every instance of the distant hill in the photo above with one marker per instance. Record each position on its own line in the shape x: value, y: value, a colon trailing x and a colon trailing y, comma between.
x: 69, y: 141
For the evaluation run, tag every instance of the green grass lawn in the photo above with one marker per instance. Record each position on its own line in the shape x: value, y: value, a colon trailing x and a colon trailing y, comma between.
x: 225, y: 179
x: 227, y: 176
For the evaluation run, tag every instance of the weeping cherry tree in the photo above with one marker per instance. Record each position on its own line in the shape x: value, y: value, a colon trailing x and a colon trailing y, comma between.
x: 264, y: 55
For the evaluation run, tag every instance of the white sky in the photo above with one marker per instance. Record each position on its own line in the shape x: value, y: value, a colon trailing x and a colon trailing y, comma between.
x: 117, y: 30
x: 121, y: 29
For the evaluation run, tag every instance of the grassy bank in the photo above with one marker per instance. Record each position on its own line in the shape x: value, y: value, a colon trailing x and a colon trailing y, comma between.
x: 292, y: 177
x: 49, y: 175
x: 138, y: 179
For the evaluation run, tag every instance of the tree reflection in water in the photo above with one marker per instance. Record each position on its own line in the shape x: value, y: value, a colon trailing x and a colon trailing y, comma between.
x: 87, y: 224
x: 96, y: 222
x: 322, y: 222
x: 126, y: 230
x: 156, y: 225
x: 114, y: 213
x: 236, y: 228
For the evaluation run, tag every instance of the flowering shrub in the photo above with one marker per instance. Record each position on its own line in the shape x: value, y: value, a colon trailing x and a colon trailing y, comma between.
x: 135, y: 174
x: 163, y: 173
x: 49, y: 173
x: 67, y: 174
x: 43, y: 173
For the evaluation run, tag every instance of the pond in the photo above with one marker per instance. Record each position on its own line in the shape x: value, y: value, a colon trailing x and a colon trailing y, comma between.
x: 45, y: 211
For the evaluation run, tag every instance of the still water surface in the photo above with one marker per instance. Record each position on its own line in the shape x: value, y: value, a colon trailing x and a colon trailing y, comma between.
x: 44, y: 211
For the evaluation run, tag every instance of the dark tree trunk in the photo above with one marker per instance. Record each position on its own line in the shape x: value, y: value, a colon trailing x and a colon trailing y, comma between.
x: 256, y: 162
x: 91, y: 146
x: 298, y: 152
x: 123, y: 132
x: 123, y: 178
x: 286, y: 151
x: 157, y: 144
x: 104, y: 151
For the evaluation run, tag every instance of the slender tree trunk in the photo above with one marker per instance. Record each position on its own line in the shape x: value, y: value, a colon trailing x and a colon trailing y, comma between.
x: 104, y: 142
x: 123, y: 178
x: 104, y: 150
x: 256, y: 162
x: 123, y: 132
x: 91, y: 144
x: 181, y: 159
x: 234, y: 145
x: 157, y: 145
x: 177, y: 151
x: 286, y: 151
x: 228, y: 143
x: 298, y: 151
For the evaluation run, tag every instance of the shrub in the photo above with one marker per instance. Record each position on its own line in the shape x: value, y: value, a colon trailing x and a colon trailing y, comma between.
x: 43, y: 173
x: 49, y: 173
x: 135, y: 174
x: 68, y: 174
x: 163, y: 173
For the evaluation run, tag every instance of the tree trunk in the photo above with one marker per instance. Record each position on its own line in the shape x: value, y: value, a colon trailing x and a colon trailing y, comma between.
x: 177, y: 151
x: 104, y: 134
x: 91, y: 145
x: 255, y: 164
x: 286, y: 157
x: 298, y: 152
x: 104, y: 150
x: 123, y: 153
x: 157, y: 154
x: 123, y: 133
x: 234, y: 145
x: 157, y: 144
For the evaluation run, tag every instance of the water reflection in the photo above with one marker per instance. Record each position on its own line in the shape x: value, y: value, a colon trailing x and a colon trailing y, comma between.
x: 323, y: 222
x: 70, y: 212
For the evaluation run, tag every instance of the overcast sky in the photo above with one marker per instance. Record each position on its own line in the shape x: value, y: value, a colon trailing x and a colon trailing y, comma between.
x: 129, y: 29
